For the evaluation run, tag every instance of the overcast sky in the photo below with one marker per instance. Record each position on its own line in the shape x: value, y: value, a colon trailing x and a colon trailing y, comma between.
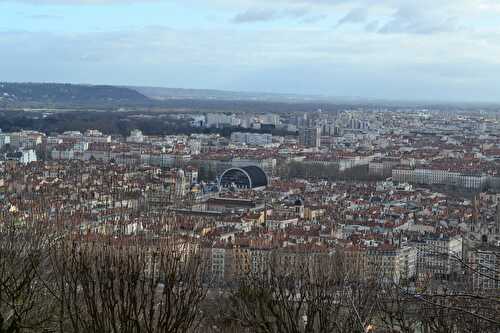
x: 394, y: 49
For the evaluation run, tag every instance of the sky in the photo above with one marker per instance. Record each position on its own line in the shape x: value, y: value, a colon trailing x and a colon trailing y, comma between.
x: 446, y: 50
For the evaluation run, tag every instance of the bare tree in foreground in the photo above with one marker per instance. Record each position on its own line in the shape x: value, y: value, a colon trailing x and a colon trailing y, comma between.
x: 329, y: 297
x: 26, y: 304
x: 305, y: 298
x: 48, y: 283
x: 130, y: 288
x: 461, y: 307
x: 397, y: 311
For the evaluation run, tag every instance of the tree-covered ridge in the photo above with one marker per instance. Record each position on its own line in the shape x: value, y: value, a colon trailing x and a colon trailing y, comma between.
x: 56, y: 93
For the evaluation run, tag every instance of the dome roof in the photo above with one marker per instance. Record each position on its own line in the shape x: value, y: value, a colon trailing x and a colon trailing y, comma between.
x: 245, y: 177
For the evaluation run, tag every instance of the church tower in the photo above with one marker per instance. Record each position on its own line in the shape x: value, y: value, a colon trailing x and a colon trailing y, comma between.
x: 180, y: 184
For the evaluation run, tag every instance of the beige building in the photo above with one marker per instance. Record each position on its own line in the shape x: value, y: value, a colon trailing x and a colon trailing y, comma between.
x: 392, y: 263
x: 438, y: 256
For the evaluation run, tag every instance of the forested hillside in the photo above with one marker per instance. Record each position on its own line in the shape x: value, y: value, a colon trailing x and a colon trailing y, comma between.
x: 68, y: 94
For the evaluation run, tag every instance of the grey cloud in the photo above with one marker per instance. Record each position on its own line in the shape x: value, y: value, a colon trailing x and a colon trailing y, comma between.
x: 264, y: 15
x: 255, y: 15
x: 372, y: 26
x: 303, y: 14
x: 414, y: 20
x: 294, y: 60
x: 314, y: 18
x: 357, y: 15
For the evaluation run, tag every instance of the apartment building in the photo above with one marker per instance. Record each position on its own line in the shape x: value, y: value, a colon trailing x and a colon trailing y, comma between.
x: 252, y: 139
x: 440, y: 177
x: 392, y: 263
x: 439, y: 256
x: 484, y: 268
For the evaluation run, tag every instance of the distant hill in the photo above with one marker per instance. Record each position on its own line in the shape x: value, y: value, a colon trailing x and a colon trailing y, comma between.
x: 68, y: 94
x: 42, y: 95
x: 79, y: 96
x: 165, y: 94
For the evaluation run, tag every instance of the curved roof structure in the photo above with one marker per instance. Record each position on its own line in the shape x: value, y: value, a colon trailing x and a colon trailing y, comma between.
x: 245, y: 177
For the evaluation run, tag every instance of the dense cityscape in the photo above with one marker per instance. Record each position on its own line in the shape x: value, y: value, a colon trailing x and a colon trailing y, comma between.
x: 249, y: 166
x: 408, y: 198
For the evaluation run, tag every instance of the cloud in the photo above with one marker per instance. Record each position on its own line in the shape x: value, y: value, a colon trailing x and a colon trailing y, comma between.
x: 295, y: 60
x: 372, y: 26
x: 392, y: 49
x: 415, y: 20
x: 255, y: 15
x: 265, y: 15
x: 314, y: 18
x: 431, y: 16
x: 356, y: 15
